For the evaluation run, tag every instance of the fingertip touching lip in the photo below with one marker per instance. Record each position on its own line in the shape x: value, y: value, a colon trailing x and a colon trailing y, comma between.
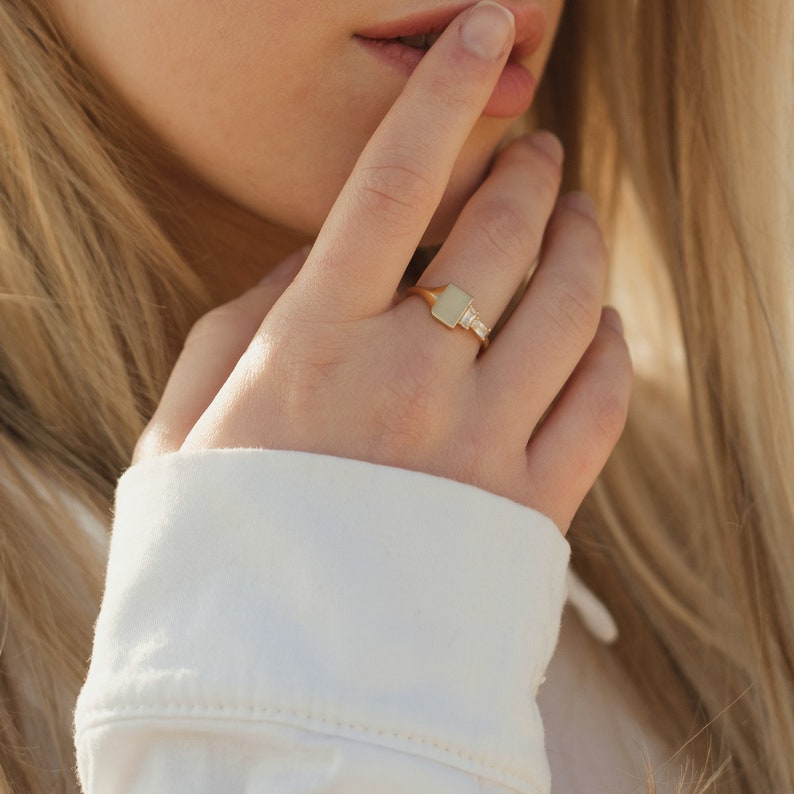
x: 529, y: 17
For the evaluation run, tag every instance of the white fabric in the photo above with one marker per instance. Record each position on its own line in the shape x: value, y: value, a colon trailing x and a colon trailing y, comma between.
x: 284, y: 622
x: 593, y: 613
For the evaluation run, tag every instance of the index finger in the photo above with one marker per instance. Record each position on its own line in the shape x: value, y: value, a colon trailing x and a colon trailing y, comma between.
x: 380, y: 216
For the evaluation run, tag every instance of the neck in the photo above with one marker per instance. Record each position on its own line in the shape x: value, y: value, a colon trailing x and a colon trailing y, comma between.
x: 227, y: 246
x: 230, y: 248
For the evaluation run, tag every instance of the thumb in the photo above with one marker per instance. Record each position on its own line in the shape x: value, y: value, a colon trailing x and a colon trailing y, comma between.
x: 210, y: 352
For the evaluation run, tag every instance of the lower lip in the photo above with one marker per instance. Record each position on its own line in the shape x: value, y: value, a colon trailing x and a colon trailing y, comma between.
x: 511, y: 97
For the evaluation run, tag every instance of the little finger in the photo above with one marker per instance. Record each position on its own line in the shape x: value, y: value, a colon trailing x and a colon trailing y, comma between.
x: 571, y: 446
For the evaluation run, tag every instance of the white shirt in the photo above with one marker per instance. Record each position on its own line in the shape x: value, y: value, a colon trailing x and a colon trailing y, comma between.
x: 285, y: 622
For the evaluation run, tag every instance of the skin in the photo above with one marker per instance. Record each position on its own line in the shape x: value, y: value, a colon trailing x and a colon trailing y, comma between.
x: 303, y: 366
x: 260, y: 110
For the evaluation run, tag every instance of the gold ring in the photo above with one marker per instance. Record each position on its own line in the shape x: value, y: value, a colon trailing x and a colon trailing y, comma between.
x: 453, y: 306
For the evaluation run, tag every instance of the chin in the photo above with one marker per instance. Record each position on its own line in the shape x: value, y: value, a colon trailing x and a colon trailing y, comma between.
x: 307, y: 218
x: 305, y: 211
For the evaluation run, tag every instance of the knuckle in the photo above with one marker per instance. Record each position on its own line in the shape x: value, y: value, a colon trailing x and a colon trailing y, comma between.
x: 547, y: 173
x: 609, y: 402
x: 506, y: 227
x: 395, y: 190
x: 575, y: 311
x: 587, y: 235
x: 580, y: 235
x: 542, y: 171
x: 608, y: 411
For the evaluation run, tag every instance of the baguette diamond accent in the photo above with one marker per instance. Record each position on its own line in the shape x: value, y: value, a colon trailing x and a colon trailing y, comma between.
x: 471, y: 320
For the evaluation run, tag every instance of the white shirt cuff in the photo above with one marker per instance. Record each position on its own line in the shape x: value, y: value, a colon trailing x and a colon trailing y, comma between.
x: 376, y: 604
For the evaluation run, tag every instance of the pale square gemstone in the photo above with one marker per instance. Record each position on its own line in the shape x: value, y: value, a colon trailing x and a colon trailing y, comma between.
x: 451, y: 305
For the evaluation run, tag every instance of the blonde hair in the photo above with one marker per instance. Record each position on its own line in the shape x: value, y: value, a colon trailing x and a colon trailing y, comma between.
x: 93, y: 301
x: 677, y: 117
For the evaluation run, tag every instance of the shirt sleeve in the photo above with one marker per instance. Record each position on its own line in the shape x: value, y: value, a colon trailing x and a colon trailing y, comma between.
x: 281, y: 621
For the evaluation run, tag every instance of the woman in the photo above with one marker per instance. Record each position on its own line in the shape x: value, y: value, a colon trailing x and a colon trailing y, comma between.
x: 160, y: 159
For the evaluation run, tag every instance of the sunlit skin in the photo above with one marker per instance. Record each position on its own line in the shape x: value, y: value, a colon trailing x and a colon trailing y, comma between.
x: 261, y: 111
x: 266, y: 107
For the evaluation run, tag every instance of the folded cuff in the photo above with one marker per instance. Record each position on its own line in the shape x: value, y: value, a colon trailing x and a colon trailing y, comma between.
x: 374, y: 603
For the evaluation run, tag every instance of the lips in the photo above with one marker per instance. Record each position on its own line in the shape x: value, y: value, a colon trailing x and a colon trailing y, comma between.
x: 403, y: 43
x: 419, y: 41
x: 530, y: 27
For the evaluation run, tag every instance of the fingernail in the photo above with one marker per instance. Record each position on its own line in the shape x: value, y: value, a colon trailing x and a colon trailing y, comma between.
x: 549, y: 144
x: 580, y: 202
x: 487, y: 30
x: 293, y: 263
x: 610, y: 317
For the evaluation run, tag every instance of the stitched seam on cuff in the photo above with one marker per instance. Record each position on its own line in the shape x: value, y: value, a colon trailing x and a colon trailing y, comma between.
x: 94, y: 718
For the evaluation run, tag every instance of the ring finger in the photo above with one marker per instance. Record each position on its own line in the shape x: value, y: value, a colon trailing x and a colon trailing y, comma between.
x: 500, y: 230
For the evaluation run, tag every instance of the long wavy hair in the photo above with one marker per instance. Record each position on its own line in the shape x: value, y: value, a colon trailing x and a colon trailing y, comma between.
x: 677, y: 117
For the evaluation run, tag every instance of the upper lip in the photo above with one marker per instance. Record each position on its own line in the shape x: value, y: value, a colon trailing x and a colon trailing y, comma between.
x: 530, y: 26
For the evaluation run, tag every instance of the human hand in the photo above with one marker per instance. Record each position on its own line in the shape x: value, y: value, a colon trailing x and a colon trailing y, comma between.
x: 339, y: 367
x: 210, y: 352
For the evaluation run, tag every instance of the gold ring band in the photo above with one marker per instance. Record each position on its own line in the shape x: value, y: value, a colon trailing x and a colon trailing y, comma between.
x: 453, y: 306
